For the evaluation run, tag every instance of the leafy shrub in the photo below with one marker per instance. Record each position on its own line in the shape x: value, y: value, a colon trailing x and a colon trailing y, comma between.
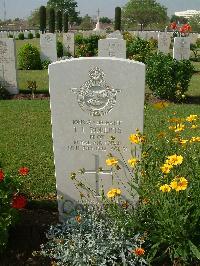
x: 37, y: 35
x: 30, y: 35
x: 10, y: 36
x: 138, y: 50
x: 59, y: 49
x: 87, y: 46
x: 21, y: 36
x: 29, y: 57
x: 198, y: 42
x: 167, y: 77
x: 91, y: 238
x: 153, y: 43
x: 4, y: 94
x: 10, y: 201
x: 45, y: 64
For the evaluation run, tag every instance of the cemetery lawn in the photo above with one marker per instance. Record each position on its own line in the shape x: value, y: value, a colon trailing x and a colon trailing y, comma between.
x: 40, y: 76
x: 26, y: 140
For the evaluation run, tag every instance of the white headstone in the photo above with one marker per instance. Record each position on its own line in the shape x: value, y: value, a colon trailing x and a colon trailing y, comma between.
x: 112, y: 48
x: 69, y: 42
x: 193, y: 38
x: 8, y: 73
x: 164, y: 42
x: 116, y: 35
x: 181, y: 48
x: 48, y: 47
x: 142, y: 35
x: 105, y: 99
x: 26, y: 33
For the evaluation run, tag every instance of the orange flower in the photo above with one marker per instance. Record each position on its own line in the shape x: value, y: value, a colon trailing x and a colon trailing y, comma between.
x: 78, y: 218
x: 23, y: 171
x: 139, y: 251
x: 1, y: 175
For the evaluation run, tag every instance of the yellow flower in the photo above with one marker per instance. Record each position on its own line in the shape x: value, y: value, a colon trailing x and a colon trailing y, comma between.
x: 112, y: 161
x: 160, y: 105
x: 179, y: 183
x: 133, y: 162
x: 165, y: 188
x: 113, y: 193
x: 194, y: 126
x: 192, y: 118
x: 134, y: 138
x: 174, y: 159
x: 179, y: 127
x: 183, y: 141
x: 174, y: 184
x: 166, y: 168
x: 110, y: 194
x: 195, y: 139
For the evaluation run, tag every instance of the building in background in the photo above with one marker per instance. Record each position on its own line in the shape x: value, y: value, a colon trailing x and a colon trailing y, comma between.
x: 187, y: 13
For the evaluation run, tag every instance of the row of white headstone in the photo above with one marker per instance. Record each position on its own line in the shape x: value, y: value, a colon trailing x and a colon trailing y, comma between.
x: 15, y: 34
x: 112, y: 46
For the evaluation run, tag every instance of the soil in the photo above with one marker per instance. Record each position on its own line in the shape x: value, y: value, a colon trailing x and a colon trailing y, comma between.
x: 26, y: 96
x: 27, y: 236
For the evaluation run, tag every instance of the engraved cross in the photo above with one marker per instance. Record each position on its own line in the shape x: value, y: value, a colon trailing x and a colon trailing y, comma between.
x: 97, y: 171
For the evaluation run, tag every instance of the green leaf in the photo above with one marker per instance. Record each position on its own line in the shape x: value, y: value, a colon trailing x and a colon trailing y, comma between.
x: 194, y: 250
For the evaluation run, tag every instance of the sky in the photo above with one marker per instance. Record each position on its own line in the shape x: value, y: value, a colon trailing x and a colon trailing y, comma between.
x: 23, y: 8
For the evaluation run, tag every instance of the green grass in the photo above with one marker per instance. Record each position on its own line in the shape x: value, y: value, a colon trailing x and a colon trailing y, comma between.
x: 40, y: 76
x: 26, y: 140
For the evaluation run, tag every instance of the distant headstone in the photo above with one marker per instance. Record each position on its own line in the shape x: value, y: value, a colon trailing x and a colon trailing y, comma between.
x: 8, y: 73
x: 33, y: 32
x: 116, y: 35
x: 105, y: 99
x: 142, y: 35
x: 193, y: 38
x: 69, y: 42
x: 112, y: 48
x: 164, y: 42
x: 181, y: 48
x: 26, y: 33
x: 48, y: 47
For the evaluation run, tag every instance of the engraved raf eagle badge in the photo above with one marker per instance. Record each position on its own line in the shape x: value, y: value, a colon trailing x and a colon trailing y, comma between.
x: 95, y: 96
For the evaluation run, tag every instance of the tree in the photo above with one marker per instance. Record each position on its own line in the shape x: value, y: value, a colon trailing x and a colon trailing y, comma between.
x: 195, y: 23
x: 118, y: 18
x: 51, y: 20
x: 66, y: 22
x: 86, y: 23
x: 59, y: 22
x: 105, y: 20
x: 43, y: 19
x: 34, y: 19
x: 144, y: 12
x: 68, y: 6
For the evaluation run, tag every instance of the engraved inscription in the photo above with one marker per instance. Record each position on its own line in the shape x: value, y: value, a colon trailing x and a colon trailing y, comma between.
x: 95, y: 96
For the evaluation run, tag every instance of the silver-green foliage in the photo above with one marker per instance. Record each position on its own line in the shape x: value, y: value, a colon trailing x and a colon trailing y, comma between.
x: 95, y: 240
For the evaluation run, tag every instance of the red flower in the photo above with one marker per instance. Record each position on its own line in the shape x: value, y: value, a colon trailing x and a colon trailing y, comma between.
x: 185, y: 28
x: 1, y: 175
x: 173, y: 25
x: 19, y: 202
x: 23, y: 171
